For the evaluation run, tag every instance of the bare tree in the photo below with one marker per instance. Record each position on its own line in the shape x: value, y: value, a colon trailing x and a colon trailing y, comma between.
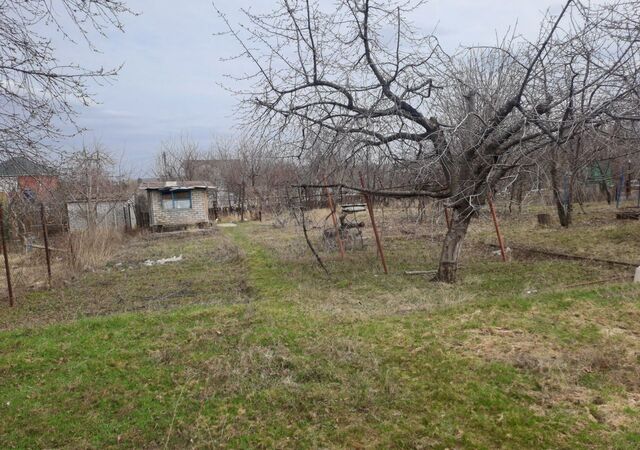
x: 463, y: 120
x: 39, y: 93
x: 92, y: 176
x: 178, y: 159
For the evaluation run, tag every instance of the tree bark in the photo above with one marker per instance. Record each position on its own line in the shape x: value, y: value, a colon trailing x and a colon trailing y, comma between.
x: 563, y: 205
x: 605, y: 189
x: 564, y: 210
x: 449, y: 258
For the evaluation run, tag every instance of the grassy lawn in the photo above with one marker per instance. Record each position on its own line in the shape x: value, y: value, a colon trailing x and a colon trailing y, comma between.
x: 246, y: 344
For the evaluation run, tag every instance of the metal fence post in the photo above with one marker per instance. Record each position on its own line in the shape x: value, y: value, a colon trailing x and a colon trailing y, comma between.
x: 497, y: 225
x: 374, y: 226
x: 6, y: 257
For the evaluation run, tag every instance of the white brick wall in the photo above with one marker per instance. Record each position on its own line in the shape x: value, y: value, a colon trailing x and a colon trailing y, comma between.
x: 199, y: 212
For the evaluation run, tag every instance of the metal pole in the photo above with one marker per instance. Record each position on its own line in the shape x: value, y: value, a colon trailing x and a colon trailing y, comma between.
x: 332, y: 208
x: 373, y: 225
x: 6, y: 257
x: 497, y: 225
x: 46, y: 242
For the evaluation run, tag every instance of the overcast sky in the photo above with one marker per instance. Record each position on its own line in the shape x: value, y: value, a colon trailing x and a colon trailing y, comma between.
x: 171, y: 67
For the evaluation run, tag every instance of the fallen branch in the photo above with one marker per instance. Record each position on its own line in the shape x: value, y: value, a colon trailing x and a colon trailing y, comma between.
x: 587, y: 283
x: 313, y: 250
x: 420, y: 272
x: 441, y: 193
x: 568, y: 256
x: 50, y: 248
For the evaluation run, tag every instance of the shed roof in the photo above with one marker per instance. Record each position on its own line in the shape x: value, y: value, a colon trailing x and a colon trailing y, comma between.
x: 23, y: 166
x: 173, y: 185
x: 103, y: 199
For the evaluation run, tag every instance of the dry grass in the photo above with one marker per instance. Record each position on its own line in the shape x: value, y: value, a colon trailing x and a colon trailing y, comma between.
x: 563, y: 372
x: 29, y: 271
x: 585, y: 356
x: 595, y: 233
x: 211, y: 272
x: 93, y: 248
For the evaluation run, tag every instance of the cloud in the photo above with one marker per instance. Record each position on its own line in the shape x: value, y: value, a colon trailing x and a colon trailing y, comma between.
x: 172, y: 64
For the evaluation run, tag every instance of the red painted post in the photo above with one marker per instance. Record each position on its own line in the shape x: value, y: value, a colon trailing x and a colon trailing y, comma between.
x: 374, y: 226
x: 6, y: 257
x: 447, y: 217
x: 497, y: 225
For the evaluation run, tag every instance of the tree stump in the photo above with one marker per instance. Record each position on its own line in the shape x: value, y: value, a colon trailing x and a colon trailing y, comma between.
x: 544, y: 220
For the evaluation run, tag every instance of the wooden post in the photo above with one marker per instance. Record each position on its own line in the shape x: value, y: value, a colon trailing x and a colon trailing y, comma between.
x: 126, y: 218
x: 332, y: 208
x: 46, y: 243
x: 6, y: 257
x: 72, y: 250
x: 242, y: 203
x: 373, y: 225
x: 497, y: 225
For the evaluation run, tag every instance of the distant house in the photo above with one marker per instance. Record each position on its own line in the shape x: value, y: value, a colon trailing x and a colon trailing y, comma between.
x: 177, y: 203
x: 116, y: 213
x: 21, y: 174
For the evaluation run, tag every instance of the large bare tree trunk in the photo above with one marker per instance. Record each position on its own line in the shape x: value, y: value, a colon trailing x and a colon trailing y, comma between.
x: 605, y: 190
x: 449, y: 258
x: 564, y: 206
x: 564, y: 210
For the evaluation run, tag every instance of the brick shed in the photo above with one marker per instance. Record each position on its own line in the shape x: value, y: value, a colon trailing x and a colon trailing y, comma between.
x: 176, y: 204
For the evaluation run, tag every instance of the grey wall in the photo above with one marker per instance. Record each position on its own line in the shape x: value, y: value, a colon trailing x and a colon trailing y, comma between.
x: 114, y: 215
x: 199, y: 212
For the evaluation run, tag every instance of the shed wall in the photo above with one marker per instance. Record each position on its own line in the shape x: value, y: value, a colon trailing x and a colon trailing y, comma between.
x: 199, y: 212
x: 113, y: 215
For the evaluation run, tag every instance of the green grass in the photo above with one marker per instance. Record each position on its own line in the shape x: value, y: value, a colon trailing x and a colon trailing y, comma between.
x: 269, y: 352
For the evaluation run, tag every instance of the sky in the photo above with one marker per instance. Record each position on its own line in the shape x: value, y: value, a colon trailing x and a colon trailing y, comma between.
x: 172, y: 68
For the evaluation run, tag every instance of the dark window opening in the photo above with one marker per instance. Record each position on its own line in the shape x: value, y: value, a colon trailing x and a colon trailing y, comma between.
x: 176, y: 200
